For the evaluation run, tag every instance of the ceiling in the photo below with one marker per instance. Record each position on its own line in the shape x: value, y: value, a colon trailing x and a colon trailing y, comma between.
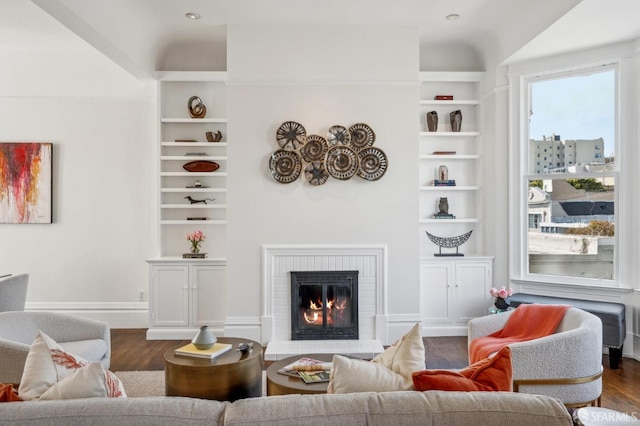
x: 139, y: 35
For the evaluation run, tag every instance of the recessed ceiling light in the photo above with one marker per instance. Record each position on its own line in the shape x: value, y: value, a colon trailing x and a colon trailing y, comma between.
x: 192, y: 15
x: 452, y: 17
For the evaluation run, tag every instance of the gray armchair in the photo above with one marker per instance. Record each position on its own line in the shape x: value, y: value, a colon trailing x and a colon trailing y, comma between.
x: 86, y: 338
x: 13, y: 292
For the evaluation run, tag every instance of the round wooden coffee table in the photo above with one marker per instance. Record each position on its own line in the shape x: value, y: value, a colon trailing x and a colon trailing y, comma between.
x: 281, y: 384
x: 232, y: 375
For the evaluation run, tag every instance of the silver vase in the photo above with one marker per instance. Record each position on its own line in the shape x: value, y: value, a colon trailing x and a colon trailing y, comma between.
x: 204, y: 339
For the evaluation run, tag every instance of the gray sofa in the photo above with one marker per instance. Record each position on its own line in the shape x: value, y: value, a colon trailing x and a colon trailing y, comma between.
x: 384, y: 409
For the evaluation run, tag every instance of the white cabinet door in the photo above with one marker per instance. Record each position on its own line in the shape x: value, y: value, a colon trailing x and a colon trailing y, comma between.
x: 452, y: 292
x: 208, y: 295
x: 436, y: 281
x: 170, y: 295
x: 471, y: 290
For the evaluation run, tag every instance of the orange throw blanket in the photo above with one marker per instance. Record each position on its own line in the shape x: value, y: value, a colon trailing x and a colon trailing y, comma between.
x: 527, y: 322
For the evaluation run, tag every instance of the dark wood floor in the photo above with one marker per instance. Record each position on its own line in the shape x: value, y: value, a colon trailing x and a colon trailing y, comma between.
x: 131, y: 351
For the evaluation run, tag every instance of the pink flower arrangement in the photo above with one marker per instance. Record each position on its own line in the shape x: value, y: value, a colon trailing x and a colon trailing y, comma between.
x: 195, y: 238
x: 502, y: 293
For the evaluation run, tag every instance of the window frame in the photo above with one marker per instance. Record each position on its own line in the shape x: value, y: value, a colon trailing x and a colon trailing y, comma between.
x: 521, y: 77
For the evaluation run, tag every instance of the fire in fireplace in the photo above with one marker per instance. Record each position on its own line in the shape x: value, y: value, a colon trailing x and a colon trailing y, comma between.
x: 324, y: 305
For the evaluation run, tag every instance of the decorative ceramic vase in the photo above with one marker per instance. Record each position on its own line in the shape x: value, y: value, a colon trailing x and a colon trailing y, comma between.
x: 502, y: 304
x: 204, y: 339
x: 432, y: 121
x: 455, y: 118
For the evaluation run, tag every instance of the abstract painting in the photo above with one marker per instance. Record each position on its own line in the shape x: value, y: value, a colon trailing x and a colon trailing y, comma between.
x: 25, y: 182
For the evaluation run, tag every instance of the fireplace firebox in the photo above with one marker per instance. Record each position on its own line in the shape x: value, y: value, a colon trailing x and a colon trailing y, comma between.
x: 324, y: 305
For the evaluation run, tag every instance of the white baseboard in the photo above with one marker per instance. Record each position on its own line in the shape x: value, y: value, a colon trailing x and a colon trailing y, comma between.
x: 117, y: 315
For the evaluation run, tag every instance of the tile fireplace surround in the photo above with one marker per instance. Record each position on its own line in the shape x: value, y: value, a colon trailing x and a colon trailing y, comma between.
x: 371, y: 263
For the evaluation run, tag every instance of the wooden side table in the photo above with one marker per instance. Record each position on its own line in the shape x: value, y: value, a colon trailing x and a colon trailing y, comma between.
x: 281, y: 384
x: 232, y: 375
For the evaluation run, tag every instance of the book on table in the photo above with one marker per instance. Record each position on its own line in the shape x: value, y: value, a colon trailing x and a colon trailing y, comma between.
x: 315, y: 376
x: 216, y: 350
x: 308, y: 365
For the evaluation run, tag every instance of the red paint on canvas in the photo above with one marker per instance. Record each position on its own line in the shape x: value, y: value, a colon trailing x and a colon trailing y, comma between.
x: 20, y: 169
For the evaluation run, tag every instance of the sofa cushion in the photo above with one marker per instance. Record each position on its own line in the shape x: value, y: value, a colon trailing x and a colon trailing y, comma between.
x: 389, y: 371
x: 490, y: 374
x: 89, y: 381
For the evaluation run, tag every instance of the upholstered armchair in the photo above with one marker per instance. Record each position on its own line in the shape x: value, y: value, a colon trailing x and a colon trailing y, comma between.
x: 13, y: 292
x: 566, y: 365
x: 86, y: 338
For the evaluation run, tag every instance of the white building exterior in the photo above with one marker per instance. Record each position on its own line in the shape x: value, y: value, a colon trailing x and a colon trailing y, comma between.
x: 551, y: 154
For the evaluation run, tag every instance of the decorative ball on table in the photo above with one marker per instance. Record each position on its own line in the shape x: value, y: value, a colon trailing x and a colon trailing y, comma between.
x: 501, y: 301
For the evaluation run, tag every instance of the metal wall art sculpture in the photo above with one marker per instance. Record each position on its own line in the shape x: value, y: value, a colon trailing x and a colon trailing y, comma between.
x: 344, y: 153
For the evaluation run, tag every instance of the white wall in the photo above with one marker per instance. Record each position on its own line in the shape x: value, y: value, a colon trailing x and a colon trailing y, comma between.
x: 102, y: 124
x: 320, y: 77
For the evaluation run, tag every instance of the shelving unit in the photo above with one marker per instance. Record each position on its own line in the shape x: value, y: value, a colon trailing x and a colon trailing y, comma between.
x: 452, y: 289
x: 464, y: 166
x: 179, y: 288
x: 175, y: 124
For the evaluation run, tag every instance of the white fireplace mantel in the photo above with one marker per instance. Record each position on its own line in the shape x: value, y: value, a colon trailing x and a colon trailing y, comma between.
x: 370, y: 260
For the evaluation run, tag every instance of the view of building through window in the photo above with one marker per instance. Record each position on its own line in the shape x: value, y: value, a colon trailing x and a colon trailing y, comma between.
x: 571, y: 176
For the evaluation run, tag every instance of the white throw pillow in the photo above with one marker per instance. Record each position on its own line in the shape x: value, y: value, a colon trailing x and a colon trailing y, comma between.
x: 350, y: 375
x: 405, y: 356
x: 90, y: 381
x: 48, y: 363
x: 389, y: 371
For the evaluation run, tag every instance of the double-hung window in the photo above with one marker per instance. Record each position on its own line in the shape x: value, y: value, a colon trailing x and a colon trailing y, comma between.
x: 563, y: 212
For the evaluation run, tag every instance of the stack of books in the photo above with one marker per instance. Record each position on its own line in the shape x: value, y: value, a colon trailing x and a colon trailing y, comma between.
x: 450, y: 182
x: 215, y: 351
x: 309, y: 370
x: 444, y: 216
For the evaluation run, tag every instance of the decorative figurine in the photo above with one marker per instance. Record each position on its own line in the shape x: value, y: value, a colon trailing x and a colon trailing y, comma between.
x: 195, y: 201
x: 197, y: 110
x: 443, y: 173
x: 443, y: 206
x: 214, y: 137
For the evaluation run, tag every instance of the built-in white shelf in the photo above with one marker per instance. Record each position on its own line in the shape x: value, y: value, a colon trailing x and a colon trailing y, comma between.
x: 193, y: 158
x: 450, y: 157
x: 451, y: 103
x: 449, y: 134
x: 193, y: 206
x: 193, y: 222
x: 193, y: 121
x: 193, y: 190
x: 449, y: 188
x: 200, y: 144
x: 456, y: 220
x: 177, y: 174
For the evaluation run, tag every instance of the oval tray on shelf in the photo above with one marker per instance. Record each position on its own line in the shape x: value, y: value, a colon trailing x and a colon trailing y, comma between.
x: 201, y: 166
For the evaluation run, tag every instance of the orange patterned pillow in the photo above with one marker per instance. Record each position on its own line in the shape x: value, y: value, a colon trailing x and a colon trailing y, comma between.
x: 8, y: 393
x: 490, y: 374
